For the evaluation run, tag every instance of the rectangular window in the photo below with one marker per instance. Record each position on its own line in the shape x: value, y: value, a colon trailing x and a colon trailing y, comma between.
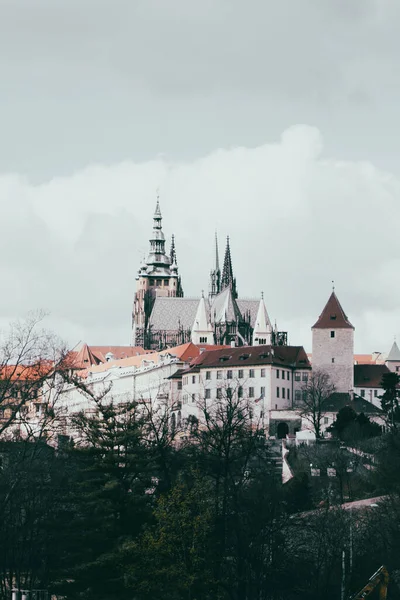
x: 229, y: 374
x: 305, y: 376
x: 362, y: 393
x: 277, y: 392
x: 240, y: 374
x: 251, y: 373
x: 229, y: 393
x: 304, y: 395
x: 283, y: 392
x: 375, y: 393
x: 250, y: 413
x: 193, y: 378
x: 208, y: 394
x: 262, y: 392
x: 240, y: 392
x: 166, y: 281
x: 288, y: 375
x: 219, y: 374
x: 208, y: 374
x: 332, y: 334
x: 297, y: 376
x: 185, y: 398
x: 151, y: 282
x: 288, y: 394
x: 251, y: 392
x: 297, y: 396
x: 179, y: 385
x: 326, y: 420
x: 277, y: 373
x: 333, y: 360
x: 193, y: 397
x: 263, y: 371
x: 219, y: 393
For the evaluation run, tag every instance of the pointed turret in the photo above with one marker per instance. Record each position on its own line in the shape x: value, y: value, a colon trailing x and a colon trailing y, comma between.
x: 262, y: 327
x: 333, y: 316
x: 172, y: 254
x: 202, y: 332
x: 215, y: 275
x: 393, y: 359
x: 228, y: 279
x: 333, y: 345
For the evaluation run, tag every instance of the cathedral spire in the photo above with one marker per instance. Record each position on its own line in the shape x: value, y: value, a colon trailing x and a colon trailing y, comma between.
x: 228, y: 279
x: 216, y: 254
x: 172, y: 253
x: 215, y: 275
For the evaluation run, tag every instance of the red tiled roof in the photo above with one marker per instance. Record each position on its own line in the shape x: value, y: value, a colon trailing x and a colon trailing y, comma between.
x: 118, y: 352
x: 369, y: 376
x: 35, y: 372
x: 287, y: 356
x: 333, y: 316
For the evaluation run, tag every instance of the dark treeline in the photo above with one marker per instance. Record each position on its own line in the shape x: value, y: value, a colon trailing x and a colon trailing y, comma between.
x: 126, y: 512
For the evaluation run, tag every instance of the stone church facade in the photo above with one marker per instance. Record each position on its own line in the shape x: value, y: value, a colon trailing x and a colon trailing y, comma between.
x: 162, y: 317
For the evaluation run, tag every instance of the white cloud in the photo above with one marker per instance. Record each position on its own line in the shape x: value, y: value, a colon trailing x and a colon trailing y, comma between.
x: 296, y: 220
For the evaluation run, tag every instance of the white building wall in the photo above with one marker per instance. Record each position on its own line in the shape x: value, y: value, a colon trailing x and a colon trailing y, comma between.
x: 335, y: 355
x: 267, y: 388
x: 370, y: 394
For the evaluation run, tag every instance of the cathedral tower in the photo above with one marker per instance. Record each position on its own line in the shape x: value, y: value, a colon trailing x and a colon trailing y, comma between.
x: 227, y: 279
x: 333, y: 345
x: 157, y: 277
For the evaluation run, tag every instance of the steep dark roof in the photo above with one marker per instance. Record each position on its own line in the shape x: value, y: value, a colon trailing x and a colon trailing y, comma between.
x: 285, y: 356
x: 339, y: 400
x: 369, y: 376
x: 333, y: 316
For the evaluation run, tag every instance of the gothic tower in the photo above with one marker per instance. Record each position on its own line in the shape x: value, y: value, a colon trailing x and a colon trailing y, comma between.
x: 333, y: 345
x: 227, y: 279
x: 158, y: 276
x: 215, y: 275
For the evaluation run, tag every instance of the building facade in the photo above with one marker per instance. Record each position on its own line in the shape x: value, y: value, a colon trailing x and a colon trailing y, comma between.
x: 269, y: 378
x: 162, y: 317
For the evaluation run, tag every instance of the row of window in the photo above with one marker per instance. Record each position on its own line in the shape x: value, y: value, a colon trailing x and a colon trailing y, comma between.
x: 362, y: 393
x: 301, y: 376
x: 281, y: 374
x: 251, y: 373
x: 283, y: 393
x: 228, y: 393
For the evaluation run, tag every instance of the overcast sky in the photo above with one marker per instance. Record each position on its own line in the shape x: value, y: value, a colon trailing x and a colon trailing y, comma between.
x: 276, y: 122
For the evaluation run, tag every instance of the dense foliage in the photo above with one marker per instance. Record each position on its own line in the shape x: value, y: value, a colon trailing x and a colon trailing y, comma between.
x: 133, y: 511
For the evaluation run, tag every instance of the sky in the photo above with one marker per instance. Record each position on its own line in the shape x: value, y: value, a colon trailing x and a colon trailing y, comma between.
x: 273, y: 122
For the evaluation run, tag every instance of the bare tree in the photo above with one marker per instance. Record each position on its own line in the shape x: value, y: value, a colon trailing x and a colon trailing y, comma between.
x: 30, y: 358
x: 316, y: 392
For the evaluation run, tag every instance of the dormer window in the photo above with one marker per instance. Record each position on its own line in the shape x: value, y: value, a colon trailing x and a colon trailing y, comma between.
x: 333, y: 317
x: 244, y: 356
x: 223, y: 358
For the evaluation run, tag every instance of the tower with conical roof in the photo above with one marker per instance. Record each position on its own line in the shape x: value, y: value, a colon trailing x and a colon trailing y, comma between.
x: 333, y: 345
x: 393, y: 359
x: 157, y: 277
